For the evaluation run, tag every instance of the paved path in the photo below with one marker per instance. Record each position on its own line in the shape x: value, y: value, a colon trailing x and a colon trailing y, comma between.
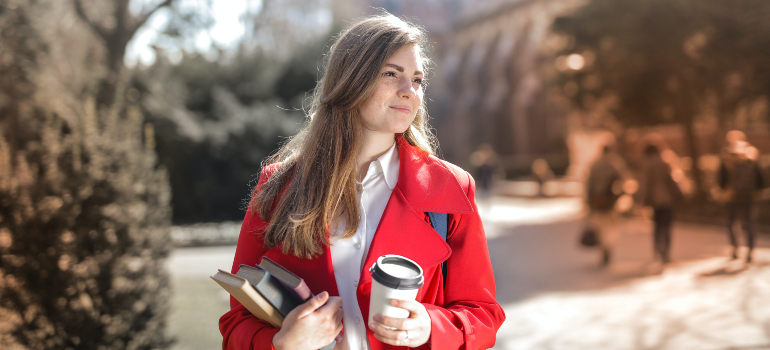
x: 197, y: 302
x: 556, y: 297
x: 553, y: 292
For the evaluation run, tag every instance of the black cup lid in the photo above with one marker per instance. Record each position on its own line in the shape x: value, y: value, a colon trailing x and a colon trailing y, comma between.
x: 395, y: 282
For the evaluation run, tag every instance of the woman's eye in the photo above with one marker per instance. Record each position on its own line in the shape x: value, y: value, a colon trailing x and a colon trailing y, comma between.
x: 389, y: 74
x: 418, y: 80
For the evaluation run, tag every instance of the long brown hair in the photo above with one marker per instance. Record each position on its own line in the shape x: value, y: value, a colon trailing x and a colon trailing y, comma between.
x: 315, y: 181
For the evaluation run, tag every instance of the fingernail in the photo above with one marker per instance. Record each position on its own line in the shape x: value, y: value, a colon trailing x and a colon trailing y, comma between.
x: 394, y: 302
x: 371, y: 326
x: 377, y: 318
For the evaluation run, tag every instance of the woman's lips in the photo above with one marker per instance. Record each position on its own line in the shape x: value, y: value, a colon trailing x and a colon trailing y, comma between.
x: 402, y: 109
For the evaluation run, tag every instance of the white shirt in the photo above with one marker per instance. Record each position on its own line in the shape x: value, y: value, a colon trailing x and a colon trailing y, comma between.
x: 348, y: 254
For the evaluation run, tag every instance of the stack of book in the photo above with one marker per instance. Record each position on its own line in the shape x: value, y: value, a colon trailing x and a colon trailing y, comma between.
x: 269, y: 290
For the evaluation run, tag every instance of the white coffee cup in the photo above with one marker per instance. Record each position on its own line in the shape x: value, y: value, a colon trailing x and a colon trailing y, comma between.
x: 393, y: 277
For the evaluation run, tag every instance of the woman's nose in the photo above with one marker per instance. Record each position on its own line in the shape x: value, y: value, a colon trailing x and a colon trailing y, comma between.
x: 406, y: 89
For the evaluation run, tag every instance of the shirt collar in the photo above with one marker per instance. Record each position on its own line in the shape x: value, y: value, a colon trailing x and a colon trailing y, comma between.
x: 389, y: 162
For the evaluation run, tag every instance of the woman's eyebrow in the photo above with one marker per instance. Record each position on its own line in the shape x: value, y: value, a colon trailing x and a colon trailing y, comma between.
x: 401, y: 69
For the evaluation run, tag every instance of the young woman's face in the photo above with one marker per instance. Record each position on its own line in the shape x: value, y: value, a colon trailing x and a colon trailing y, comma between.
x: 398, y: 95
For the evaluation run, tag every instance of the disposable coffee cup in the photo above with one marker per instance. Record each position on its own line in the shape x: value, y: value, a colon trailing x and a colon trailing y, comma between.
x: 393, y: 277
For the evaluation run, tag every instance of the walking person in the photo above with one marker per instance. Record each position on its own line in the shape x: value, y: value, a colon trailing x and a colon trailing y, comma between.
x: 659, y: 191
x: 486, y: 163
x: 602, y: 191
x: 542, y: 173
x: 740, y: 179
x: 355, y: 184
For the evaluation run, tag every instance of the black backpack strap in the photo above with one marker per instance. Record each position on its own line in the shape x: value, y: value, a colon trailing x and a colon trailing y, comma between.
x: 440, y: 223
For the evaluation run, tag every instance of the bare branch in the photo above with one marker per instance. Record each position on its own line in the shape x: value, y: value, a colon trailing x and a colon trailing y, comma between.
x: 144, y: 17
x: 101, y: 31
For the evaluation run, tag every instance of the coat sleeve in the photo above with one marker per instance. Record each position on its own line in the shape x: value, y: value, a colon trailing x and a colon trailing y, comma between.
x: 240, y: 329
x: 471, y: 316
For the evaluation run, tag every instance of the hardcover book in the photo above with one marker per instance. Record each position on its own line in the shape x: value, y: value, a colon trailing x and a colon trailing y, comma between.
x: 293, y: 283
x: 243, y: 291
x: 266, y: 296
x: 270, y: 288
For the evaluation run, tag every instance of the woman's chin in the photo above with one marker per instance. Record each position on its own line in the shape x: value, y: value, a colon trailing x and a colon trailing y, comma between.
x: 403, y: 128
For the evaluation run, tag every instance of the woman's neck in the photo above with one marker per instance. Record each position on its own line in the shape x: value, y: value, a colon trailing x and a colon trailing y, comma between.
x: 374, y: 146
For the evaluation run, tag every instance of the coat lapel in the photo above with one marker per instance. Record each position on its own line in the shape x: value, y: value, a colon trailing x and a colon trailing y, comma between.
x: 425, y: 184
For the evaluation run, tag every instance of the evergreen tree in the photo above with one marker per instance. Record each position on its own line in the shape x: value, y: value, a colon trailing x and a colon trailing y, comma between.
x: 217, y: 120
x: 84, y: 210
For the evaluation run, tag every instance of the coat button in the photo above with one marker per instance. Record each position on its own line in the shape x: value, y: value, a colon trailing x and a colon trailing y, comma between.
x: 358, y: 320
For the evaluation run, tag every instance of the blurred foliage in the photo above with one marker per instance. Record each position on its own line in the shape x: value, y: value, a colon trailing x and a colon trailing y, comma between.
x: 114, y: 24
x: 216, y: 121
x: 649, y: 62
x: 284, y: 27
x: 217, y: 115
x: 84, y: 208
x: 84, y: 199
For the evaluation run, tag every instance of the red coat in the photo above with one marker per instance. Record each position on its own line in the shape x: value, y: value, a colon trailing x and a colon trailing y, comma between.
x: 464, y: 315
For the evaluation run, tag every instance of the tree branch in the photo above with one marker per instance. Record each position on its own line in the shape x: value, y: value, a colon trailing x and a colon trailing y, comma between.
x: 101, y: 31
x: 144, y: 17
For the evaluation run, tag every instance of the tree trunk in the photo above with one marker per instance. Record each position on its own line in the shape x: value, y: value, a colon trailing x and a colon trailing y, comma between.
x: 692, y: 145
x: 108, y: 88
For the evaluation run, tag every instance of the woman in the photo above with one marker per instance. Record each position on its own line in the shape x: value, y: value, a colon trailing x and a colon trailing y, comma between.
x: 356, y: 184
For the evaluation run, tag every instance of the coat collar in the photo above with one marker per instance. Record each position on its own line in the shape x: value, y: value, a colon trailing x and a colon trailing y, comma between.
x: 427, y: 183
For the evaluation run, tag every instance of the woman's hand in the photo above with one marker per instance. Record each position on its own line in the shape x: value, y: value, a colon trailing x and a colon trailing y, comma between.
x: 412, y: 332
x: 311, y: 325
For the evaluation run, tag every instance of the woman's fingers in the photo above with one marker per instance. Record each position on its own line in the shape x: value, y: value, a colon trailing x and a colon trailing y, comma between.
x: 333, y: 304
x: 311, y: 305
x: 414, y: 309
x: 393, y: 322
x: 410, y: 305
x: 412, y: 331
x: 393, y: 336
x: 311, y: 325
x: 337, y: 319
x: 337, y: 331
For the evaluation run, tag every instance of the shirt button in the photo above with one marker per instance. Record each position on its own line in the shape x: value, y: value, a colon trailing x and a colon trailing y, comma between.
x: 358, y: 246
x: 358, y: 320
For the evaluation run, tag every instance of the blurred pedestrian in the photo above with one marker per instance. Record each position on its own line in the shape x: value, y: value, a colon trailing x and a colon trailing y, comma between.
x: 542, y: 173
x: 659, y: 191
x: 602, y: 190
x: 486, y: 163
x: 741, y: 180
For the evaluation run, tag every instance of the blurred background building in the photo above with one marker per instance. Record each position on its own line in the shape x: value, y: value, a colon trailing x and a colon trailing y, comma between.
x: 487, y: 86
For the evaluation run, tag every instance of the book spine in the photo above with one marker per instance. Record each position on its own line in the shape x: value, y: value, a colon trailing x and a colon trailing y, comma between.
x: 243, y: 291
x: 272, y: 290
x: 302, y: 292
